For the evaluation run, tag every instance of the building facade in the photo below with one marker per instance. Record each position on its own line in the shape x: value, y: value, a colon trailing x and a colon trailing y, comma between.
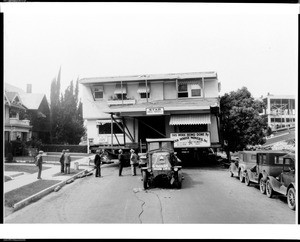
x: 14, y: 128
x: 280, y: 111
x: 125, y: 110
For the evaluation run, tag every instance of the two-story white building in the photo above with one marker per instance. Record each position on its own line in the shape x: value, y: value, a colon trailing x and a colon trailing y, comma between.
x: 122, y: 111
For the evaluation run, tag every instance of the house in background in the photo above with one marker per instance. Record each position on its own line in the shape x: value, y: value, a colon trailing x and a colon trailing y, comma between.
x: 36, y: 110
x: 280, y: 111
x: 14, y: 127
x: 126, y: 110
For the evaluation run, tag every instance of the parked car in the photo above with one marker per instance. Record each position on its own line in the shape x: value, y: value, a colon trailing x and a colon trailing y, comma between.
x: 284, y: 183
x: 246, y: 160
x: 267, y: 164
x: 161, y: 163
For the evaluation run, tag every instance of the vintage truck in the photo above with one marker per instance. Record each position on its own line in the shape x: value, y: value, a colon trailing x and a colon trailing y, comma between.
x: 268, y: 163
x: 284, y: 183
x: 161, y: 164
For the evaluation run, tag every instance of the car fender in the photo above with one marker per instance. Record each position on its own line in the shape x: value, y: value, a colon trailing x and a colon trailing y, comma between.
x: 274, y: 183
x: 292, y: 184
x: 263, y: 175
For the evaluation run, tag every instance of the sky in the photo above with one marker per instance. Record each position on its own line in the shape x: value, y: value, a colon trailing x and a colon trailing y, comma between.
x: 246, y: 44
x: 251, y: 45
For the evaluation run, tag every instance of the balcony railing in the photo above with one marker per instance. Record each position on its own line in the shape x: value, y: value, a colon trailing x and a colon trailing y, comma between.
x: 120, y: 102
x: 16, y: 121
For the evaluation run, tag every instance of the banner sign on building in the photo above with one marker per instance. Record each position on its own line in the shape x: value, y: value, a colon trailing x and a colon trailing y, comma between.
x: 154, y: 111
x: 191, y: 140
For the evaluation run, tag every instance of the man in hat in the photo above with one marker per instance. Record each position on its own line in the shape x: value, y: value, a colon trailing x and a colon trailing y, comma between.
x: 133, y: 161
x: 97, y: 162
x: 67, y: 162
x: 121, y: 161
x: 39, y: 160
x: 62, y: 160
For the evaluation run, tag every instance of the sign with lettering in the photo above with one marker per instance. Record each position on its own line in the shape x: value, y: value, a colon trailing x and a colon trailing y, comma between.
x: 191, y: 140
x: 154, y: 111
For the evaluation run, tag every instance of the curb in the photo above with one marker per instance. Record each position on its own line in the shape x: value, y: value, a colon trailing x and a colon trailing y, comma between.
x: 46, y: 191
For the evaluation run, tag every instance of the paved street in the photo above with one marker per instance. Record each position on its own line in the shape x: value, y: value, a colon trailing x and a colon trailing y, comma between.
x: 208, y: 196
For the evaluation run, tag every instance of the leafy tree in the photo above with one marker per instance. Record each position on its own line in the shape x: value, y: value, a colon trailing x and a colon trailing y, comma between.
x: 241, y: 124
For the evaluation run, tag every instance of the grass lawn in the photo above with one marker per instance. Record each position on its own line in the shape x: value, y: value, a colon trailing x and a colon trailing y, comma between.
x: 72, y: 172
x: 21, y: 193
x: 24, y: 168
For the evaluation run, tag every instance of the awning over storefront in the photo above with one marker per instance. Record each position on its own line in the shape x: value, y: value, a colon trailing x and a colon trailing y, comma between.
x: 190, y: 119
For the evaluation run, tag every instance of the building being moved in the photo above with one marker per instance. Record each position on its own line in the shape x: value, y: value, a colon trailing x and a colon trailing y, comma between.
x: 122, y: 111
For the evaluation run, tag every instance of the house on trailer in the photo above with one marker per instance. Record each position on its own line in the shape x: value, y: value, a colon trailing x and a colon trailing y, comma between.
x: 122, y: 111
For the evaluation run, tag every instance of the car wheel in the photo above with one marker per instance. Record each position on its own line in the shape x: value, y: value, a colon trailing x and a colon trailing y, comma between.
x: 291, y: 195
x: 269, y: 189
x: 247, y: 179
x: 178, y: 181
x: 262, y: 186
x: 242, y: 178
x: 145, y: 180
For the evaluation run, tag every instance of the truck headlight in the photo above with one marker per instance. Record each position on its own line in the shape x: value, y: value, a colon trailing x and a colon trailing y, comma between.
x: 175, y: 169
x: 149, y: 169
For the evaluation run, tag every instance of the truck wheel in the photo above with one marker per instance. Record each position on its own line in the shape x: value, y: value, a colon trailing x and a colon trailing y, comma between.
x: 145, y: 180
x: 262, y: 186
x: 242, y: 178
x: 247, y: 179
x: 269, y: 189
x: 291, y: 195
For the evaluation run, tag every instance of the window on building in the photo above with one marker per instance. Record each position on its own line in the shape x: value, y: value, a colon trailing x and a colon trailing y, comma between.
x: 120, y: 91
x: 106, y: 128
x: 189, y: 90
x: 182, y: 90
x: 98, y: 92
x: 145, y: 95
x: 195, y: 90
x: 264, y: 158
x: 143, y: 90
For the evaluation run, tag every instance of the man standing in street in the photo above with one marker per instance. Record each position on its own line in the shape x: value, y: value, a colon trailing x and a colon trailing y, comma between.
x: 39, y: 163
x: 67, y: 162
x: 97, y: 162
x: 121, y: 161
x: 133, y: 162
x: 62, y: 160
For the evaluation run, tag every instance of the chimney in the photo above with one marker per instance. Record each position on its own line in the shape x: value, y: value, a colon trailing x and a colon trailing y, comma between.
x: 29, y: 88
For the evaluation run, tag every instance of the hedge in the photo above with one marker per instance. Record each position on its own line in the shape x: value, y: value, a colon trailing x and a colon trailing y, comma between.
x: 59, y: 148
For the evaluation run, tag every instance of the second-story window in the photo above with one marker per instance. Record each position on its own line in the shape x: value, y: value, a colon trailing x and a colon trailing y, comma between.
x: 120, y: 91
x: 186, y: 89
x: 195, y: 90
x: 98, y: 92
x: 183, y: 90
x: 143, y: 90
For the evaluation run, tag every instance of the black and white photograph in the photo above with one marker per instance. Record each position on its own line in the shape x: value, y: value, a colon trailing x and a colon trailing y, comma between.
x: 150, y: 120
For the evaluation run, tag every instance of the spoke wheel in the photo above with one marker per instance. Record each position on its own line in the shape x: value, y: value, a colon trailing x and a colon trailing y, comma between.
x: 242, y: 178
x: 247, y: 179
x: 291, y: 196
x: 269, y: 189
x: 262, y: 186
x: 145, y: 180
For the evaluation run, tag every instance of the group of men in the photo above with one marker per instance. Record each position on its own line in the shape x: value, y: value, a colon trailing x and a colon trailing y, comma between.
x: 65, y: 161
x: 122, y: 160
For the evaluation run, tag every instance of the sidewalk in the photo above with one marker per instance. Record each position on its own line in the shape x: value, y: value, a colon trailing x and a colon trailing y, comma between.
x: 21, y: 179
